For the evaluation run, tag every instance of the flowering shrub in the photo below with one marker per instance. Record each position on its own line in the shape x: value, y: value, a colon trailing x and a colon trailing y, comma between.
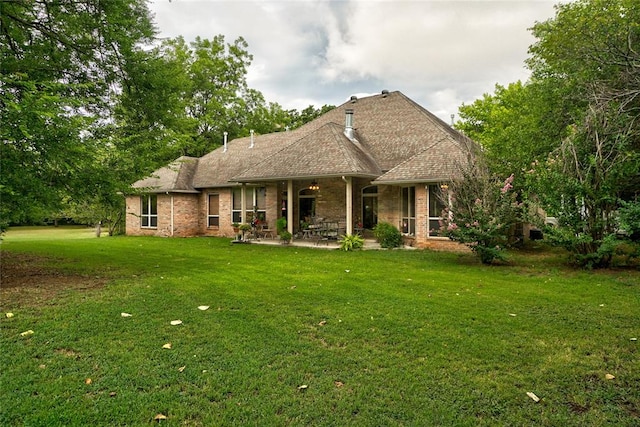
x: 481, y: 212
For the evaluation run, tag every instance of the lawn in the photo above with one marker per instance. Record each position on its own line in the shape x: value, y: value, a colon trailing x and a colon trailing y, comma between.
x: 299, y: 336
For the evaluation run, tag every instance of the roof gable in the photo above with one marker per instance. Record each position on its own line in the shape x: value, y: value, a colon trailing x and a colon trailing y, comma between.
x: 439, y: 162
x: 325, y: 151
x: 176, y: 177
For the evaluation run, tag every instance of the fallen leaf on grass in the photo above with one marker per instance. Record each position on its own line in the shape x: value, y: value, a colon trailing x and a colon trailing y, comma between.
x: 167, y: 345
x: 25, y: 333
x: 160, y: 417
x: 88, y: 381
x: 181, y: 368
x: 176, y: 322
x: 303, y: 387
x: 512, y: 314
x: 9, y: 315
x: 338, y: 383
x: 322, y: 323
x: 533, y: 397
x: 633, y: 339
x: 113, y: 394
x: 203, y: 307
x: 609, y: 376
x: 126, y: 314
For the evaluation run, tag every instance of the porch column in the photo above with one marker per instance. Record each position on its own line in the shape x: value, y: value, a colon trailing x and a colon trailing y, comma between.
x: 290, y: 206
x: 243, y: 203
x: 349, y: 181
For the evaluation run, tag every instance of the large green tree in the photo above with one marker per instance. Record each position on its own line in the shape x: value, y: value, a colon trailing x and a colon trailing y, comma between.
x: 91, y: 102
x: 591, y: 52
x: 61, y: 62
x: 572, y: 129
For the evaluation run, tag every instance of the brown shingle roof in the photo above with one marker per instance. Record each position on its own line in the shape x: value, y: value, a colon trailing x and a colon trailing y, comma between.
x: 217, y: 168
x: 437, y: 163
x: 177, y: 177
x: 325, y: 151
x: 393, y: 135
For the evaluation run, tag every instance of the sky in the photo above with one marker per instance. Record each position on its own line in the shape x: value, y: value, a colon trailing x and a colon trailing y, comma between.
x: 440, y: 53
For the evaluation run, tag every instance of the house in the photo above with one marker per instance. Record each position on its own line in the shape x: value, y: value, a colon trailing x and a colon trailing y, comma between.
x: 377, y: 158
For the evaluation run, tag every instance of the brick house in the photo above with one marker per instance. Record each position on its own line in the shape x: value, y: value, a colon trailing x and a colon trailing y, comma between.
x: 378, y: 158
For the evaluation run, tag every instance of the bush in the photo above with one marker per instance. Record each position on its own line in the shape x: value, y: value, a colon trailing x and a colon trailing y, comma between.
x: 387, y: 235
x: 481, y: 213
x: 285, y: 236
x: 629, y: 214
x: 281, y: 225
x: 350, y: 242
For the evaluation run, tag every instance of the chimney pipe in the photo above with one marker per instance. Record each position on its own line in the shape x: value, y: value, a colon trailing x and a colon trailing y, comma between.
x: 348, y: 124
x: 251, y: 146
x: 226, y: 134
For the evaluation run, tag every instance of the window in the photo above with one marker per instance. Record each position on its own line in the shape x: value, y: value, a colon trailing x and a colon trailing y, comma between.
x: 409, y: 210
x: 256, y: 203
x: 369, y: 207
x: 435, y: 210
x: 149, y: 216
x: 213, y: 218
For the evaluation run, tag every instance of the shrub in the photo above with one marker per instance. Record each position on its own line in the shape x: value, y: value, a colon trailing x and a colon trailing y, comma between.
x: 629, y: 214
x: 350, y: 242
x: 481, y: 212
x: 387, y: 235
x: 285, y: 236
x: 281, y: 225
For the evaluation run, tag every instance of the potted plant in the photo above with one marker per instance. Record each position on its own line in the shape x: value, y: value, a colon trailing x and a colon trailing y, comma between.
x: 244, y: 228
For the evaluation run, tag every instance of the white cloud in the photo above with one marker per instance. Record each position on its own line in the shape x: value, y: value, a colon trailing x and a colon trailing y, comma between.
x: 439, y: 53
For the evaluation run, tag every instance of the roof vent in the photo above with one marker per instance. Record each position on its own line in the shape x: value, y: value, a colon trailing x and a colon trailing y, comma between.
x: 348, y: 123
x: 252, y: 140
x: 385, y: 93
x: 226, y: 134
x: 353, y: 99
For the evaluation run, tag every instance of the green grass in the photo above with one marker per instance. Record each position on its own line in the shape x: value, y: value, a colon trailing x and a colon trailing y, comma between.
x: 378, y: 337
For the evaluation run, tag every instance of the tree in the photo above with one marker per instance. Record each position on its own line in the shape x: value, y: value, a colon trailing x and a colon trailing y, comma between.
x: 573, y: 126
x: 516, y: 125
x: 592, y: 50
x: 481, y: 210
x: 60, y: 64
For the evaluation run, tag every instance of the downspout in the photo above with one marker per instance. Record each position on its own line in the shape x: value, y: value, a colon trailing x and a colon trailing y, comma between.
x: 171, y: 221
x: 290, y: 206
x: 349, y: 201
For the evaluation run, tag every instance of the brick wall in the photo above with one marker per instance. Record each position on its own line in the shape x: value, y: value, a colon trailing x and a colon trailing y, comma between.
x: 389, y: 204
x: 185, y: 213
x: 225, y: 228
x: 190, y: 211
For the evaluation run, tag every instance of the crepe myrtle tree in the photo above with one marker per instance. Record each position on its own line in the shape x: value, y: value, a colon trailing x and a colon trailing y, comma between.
x: 482, y: 211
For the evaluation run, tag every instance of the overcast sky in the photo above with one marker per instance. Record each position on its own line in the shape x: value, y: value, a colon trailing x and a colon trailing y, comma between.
x: 440, y: 53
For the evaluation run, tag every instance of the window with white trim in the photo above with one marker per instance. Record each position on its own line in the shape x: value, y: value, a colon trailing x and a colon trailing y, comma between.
x: 409, y: 210
x: 149, y: 211
x: 435, y: 210
x: 213, y: 216
x: 256, y: 204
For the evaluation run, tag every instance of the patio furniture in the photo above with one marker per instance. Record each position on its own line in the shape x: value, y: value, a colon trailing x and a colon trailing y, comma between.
x: 265, y: 232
